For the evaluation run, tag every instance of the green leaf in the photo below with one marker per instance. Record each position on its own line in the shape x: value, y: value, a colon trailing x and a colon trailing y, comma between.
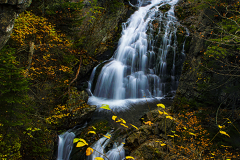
x: 75, y: 140
x: 105, y: 106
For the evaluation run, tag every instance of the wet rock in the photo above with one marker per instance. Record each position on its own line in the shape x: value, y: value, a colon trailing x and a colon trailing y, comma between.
x: 150, y: 150
x: 165, y: 8
x: 145, y: 142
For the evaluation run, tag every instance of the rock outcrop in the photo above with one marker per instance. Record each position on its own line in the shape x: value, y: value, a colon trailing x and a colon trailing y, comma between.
x: 199, y: 27
x: 143, y: 142
x: 9, y: 10
x: 198, y: 83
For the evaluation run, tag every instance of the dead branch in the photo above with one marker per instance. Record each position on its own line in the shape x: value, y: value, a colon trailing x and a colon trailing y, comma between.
x: 69, y: 85
x: 31, y: 50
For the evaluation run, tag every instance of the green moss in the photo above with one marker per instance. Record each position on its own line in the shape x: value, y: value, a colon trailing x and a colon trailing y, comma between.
x: 165, y: 8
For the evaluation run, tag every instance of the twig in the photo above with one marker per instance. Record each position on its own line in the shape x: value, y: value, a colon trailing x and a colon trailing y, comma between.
x: 79, y: 67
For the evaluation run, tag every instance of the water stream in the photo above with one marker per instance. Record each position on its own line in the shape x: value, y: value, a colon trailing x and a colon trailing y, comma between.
x: 116, y: 153
x: 65, y: 145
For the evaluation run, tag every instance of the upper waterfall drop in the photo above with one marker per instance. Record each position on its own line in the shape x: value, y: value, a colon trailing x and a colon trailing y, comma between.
x: 141, y: 66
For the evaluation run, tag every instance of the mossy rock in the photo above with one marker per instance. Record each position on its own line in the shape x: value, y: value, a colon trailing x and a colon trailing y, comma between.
x: 165, y: 8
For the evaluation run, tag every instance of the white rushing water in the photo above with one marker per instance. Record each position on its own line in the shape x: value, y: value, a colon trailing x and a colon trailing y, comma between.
x: 65, y: 142
x: 65, y: 145
x: 116, y: 153
x: 138, y: 67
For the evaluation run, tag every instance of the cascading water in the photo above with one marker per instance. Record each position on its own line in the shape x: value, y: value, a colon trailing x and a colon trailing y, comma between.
x: 140, y: 66
x: 65, y: 142
x: 65, y: 145
x: 116, y: 153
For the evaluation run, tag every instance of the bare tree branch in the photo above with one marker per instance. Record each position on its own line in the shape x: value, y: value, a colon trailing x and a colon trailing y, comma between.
x: 31, y: 44
x: 79, y: 67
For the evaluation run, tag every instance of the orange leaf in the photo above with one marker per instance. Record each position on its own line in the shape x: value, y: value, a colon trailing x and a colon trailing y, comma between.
x: 149, y: 123
x: 89, y: 151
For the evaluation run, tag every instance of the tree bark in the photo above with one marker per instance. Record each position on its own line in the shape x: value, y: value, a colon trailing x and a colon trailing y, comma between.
x: 31, y: 50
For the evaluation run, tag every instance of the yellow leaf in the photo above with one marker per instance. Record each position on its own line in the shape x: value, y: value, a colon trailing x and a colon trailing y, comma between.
x: 163, y: 144
x: 171, y: 136
x: 105, y: 106
x: 107, y: 136
x: 161, y: 105
x: 226, y: 146
x: 92, y: 132
x: 98, y: 158
x: 82, y: 140
x: 124, y: 125
x: 119, y: 120
x: 160, y: 112
x: 89, y: 151
x: 129, y: 157
x: 165, y: 112
x: 93, y: 127
x: 80, y: 144
x: 169, y: 117
x: 192, y: 133
x: 123, y: 121
x: 219, y: 126
x: 223, y: 132
x: 149, y: 123
x: 114, y: 117
x: 134, y: 126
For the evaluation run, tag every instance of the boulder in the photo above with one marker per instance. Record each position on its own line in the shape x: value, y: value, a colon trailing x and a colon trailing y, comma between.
x: 145, y: 143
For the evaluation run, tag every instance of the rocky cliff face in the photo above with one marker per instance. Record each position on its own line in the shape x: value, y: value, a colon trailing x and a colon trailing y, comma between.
x: 101, y: 36
x: 199, y: 26
x: 9, y: 10
x: 209, y: 91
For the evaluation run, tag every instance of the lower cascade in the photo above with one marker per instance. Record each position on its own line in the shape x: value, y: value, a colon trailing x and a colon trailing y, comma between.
x: 65, y: 145
x: 147, y: 62
x: 116, y: 153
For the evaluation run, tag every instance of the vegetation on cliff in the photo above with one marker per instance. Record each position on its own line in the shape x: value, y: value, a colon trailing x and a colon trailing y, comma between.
x: 39, y: 67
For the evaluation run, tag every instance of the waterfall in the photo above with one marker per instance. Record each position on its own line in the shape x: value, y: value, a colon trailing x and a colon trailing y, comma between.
x: 65, y: 142
x: 116, y: 153
x: 65, y: 145
x: 140, y: 65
